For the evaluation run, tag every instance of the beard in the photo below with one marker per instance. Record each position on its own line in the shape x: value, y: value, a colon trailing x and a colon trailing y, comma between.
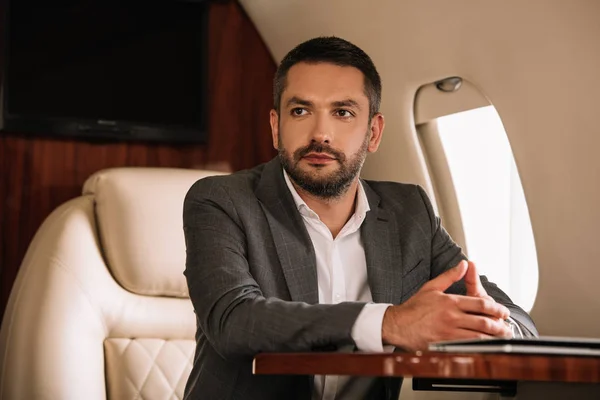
x: 325, y: 186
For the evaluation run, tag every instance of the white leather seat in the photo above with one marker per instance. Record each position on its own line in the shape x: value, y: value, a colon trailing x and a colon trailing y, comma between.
x: 100, y: 307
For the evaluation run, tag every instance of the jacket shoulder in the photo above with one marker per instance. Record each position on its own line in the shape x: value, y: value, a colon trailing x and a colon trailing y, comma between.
x: 398, y: 194
x: 242, y: 183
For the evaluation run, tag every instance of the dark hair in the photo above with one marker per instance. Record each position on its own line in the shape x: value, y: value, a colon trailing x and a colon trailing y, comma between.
x: 336, y: 51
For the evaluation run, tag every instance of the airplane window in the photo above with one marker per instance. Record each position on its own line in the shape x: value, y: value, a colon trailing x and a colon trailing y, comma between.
x: 492, y: 205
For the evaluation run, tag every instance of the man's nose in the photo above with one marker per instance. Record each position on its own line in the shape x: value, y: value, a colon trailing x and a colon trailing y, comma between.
x: 322, y: 131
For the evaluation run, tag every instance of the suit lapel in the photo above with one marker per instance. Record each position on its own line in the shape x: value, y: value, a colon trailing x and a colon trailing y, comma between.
x: 296, y: 253
x: 380, y: 238
x: 292, y: 242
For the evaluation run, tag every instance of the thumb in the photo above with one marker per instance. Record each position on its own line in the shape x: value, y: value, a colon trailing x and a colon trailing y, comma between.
x: 473, y: 283
x: 445, y: 280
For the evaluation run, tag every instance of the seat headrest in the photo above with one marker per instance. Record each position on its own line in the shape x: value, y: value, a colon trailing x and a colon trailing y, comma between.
x: 139, y: 214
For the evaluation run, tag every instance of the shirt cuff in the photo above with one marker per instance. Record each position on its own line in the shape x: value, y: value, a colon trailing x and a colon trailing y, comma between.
x: 366, y: 331
x: 516, y: 329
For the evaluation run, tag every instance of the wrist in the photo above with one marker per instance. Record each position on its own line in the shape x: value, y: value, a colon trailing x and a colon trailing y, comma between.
x: 385, y: 328
x: 391, y: 327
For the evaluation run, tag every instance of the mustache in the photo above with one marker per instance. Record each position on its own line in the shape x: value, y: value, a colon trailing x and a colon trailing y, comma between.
x: 319, y: 148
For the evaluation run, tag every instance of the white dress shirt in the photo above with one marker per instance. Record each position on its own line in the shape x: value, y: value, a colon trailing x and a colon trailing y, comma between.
x: 342, y: 276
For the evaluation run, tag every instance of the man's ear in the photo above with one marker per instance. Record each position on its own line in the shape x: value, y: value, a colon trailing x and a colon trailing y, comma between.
x: 376, y: 132
x: 274, y: 120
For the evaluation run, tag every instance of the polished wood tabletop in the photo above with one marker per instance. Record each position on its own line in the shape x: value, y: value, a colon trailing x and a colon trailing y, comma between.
x: 519, y: 367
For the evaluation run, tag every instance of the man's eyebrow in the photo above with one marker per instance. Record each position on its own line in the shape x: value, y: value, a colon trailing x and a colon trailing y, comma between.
x: 346, y: 103
x: 298, y: 101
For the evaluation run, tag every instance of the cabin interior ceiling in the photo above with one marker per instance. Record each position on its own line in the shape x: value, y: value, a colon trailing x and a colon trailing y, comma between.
x: 537, y: 61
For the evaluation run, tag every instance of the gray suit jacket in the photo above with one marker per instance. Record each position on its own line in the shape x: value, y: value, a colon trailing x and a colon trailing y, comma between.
x: 252, y: 278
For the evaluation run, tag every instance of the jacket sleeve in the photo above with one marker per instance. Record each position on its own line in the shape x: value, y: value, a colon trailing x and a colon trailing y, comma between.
x: 231, y: 311
x: 445, y: 254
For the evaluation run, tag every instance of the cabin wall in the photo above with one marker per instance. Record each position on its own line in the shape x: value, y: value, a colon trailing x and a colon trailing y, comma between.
x: 537, y: 61
x: 37, y: 175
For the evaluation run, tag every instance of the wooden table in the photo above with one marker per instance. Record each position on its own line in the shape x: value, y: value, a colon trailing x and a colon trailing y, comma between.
x: 451, y: 367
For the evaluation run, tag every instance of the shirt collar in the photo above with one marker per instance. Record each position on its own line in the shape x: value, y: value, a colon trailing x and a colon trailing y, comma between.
x: 362, y: 203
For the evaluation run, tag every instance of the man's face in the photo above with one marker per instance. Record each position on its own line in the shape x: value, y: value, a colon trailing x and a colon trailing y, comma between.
x: 323, y: 131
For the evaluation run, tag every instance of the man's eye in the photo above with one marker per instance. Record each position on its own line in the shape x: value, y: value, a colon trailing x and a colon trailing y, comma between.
x: 343, y: 113
x: 298, y: 112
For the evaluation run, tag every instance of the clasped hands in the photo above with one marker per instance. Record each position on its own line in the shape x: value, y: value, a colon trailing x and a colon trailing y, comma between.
x: 432, y: 315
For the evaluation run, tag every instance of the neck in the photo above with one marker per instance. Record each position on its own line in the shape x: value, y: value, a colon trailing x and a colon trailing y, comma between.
x: 334, y: 212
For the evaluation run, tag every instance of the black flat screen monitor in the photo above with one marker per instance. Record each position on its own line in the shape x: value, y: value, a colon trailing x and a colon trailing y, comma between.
x: 106, y: 69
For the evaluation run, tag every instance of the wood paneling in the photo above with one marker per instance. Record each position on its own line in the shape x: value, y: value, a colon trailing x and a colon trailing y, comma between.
x: 38, y: 174
x: 488, y: 366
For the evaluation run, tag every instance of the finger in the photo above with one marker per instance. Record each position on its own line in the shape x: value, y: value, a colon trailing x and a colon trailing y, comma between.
x: 489, y: 326
x: 463, y: 334
x: 481, y: 306
x: 473, y: 283
x: 446, y: 279
x: 469, y: 334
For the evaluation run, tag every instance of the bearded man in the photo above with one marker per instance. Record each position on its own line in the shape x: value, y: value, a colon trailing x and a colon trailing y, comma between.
x: 300, y: 254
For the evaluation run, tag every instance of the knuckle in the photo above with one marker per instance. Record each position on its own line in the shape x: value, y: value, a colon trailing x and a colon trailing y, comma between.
x: 504, y: 329
x: 485, y: 324
x: 454, y: 300
x: 448, y: 320
x: 481, y: 304
x: 448, y: 301
x: 451, y: 318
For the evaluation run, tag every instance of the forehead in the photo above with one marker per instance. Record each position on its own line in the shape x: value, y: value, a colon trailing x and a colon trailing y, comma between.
x: 325, y: 82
